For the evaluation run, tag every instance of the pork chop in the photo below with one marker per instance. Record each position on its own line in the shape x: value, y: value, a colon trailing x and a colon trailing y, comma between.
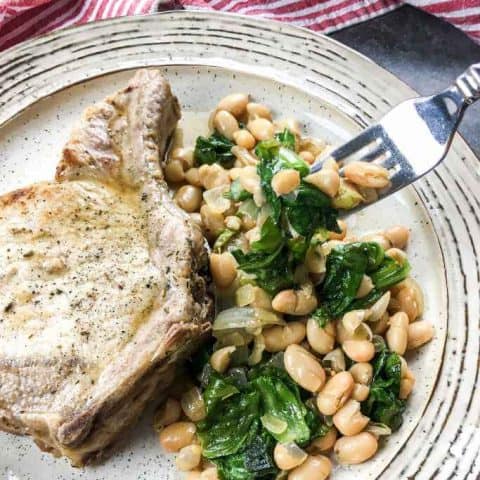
x: 103, y: 286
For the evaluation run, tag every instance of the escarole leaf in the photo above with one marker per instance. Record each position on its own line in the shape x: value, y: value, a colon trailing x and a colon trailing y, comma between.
x: 273, y: 271
x: 265, y: 170
x: 286, y: 139
x: 280, y: 398
x: 217, y: 391
x: 256, y: 461
x: 289, y: 159
x: 346, y: 265
x: 383, y: 404
x: 309, y: 209
x: 389, y: 273
x: 214, y: 149
x: 221, y: 433
x: 271, y: 238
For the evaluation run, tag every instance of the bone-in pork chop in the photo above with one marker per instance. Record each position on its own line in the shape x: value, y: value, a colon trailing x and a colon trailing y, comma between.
x: 102, y: 280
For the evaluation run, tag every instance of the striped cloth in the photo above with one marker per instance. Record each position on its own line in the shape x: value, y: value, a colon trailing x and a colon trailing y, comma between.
x: 22, y: 19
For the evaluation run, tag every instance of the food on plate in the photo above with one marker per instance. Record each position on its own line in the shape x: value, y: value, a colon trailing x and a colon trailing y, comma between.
x: 307, y: 365
x: 104, y: 281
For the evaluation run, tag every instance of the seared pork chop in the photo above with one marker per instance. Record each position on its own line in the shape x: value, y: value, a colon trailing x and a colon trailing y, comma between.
x: 102, y: 280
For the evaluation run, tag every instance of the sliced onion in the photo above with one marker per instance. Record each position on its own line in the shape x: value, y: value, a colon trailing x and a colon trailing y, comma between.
x: 378, y: 429
x: 237, y: 338
x: 315, y: 260
x: 296, y: 456
x: 193, y: 405
x: 259, y: 197
x: 335, y: 360
x: 244, y: 156
x: 245, y: 295
x: 273, y: 424
x: 379, y: 343
x: 376, y: 311
x: 265, y: 212
x: 249, y: 179
x: 362, y: 332
x: 215, y: 200
x: 351, y: 320
x: 257, y: 351
x: 239, y: 356
x: 245, y: 318
x: 249, y: 208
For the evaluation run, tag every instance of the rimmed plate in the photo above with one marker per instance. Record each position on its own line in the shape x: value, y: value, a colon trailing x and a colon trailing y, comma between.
x: 46, y: 83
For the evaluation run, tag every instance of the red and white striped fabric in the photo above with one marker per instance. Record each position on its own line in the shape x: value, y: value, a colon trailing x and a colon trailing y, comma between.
x: 22, y: 19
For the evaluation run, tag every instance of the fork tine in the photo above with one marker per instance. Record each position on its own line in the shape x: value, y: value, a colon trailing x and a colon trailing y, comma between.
x: 356, y: 144
x: 351, y: 147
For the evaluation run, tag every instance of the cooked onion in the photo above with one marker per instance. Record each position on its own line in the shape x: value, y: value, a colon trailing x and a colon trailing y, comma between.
x: 378, y: 429
x: 246, y: 318
x: 257, y: 351
x: 193, y: 405
x: 245, y: 295
x: 273, y: 424
x: 335, y: 360
x: 352, y: 320
x: 215, y: 200
x: 377, y: 310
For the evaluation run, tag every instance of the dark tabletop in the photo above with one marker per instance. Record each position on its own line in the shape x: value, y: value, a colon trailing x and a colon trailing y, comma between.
x: 423, y: 51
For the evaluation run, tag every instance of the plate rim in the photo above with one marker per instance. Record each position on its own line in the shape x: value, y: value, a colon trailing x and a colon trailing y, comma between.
x: 57, y: 34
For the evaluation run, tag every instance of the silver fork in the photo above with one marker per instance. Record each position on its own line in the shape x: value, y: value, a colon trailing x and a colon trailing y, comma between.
x: 414, y: 137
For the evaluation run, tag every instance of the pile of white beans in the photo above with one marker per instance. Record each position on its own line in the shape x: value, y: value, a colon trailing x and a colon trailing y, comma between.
x: 307, y: 347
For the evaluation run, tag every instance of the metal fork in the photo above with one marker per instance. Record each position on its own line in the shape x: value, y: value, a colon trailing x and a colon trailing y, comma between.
x: 414, y: 137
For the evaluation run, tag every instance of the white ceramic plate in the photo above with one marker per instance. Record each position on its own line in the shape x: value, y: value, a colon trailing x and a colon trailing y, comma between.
x: 46, y: 83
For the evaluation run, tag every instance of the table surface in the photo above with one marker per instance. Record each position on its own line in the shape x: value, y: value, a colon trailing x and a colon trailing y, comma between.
x: 423, y: 51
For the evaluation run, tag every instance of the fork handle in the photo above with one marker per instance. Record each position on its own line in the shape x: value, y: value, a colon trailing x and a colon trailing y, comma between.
x: 469, y: 83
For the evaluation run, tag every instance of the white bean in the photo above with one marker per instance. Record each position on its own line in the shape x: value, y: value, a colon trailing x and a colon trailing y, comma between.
x: 366, y: 174
x: 278, y: 337
x: 225, y: 123
x: 398, y: 236
x: 360, y: 392
x: 397, y: 334
x: 261, y: 128
x: 322, y: 340
x: 177, y: 435
x: 235, y: 103
x: 335, y: 393
x: 328, y: 181
x: 189, y: 198
x: 189, y: 458
x: 362, y: 372
x: 349, y: 420
x: 295, y: 302
x: 257, y: 110
x: 325, y: 443
x: 419, y: 333
x: 359, y: 350
x: 315, y: 467
x: 288, y: 455
x: 355, y: 449
x: 304, y: 368
x: 243, y: 138
x: 285, y: 181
